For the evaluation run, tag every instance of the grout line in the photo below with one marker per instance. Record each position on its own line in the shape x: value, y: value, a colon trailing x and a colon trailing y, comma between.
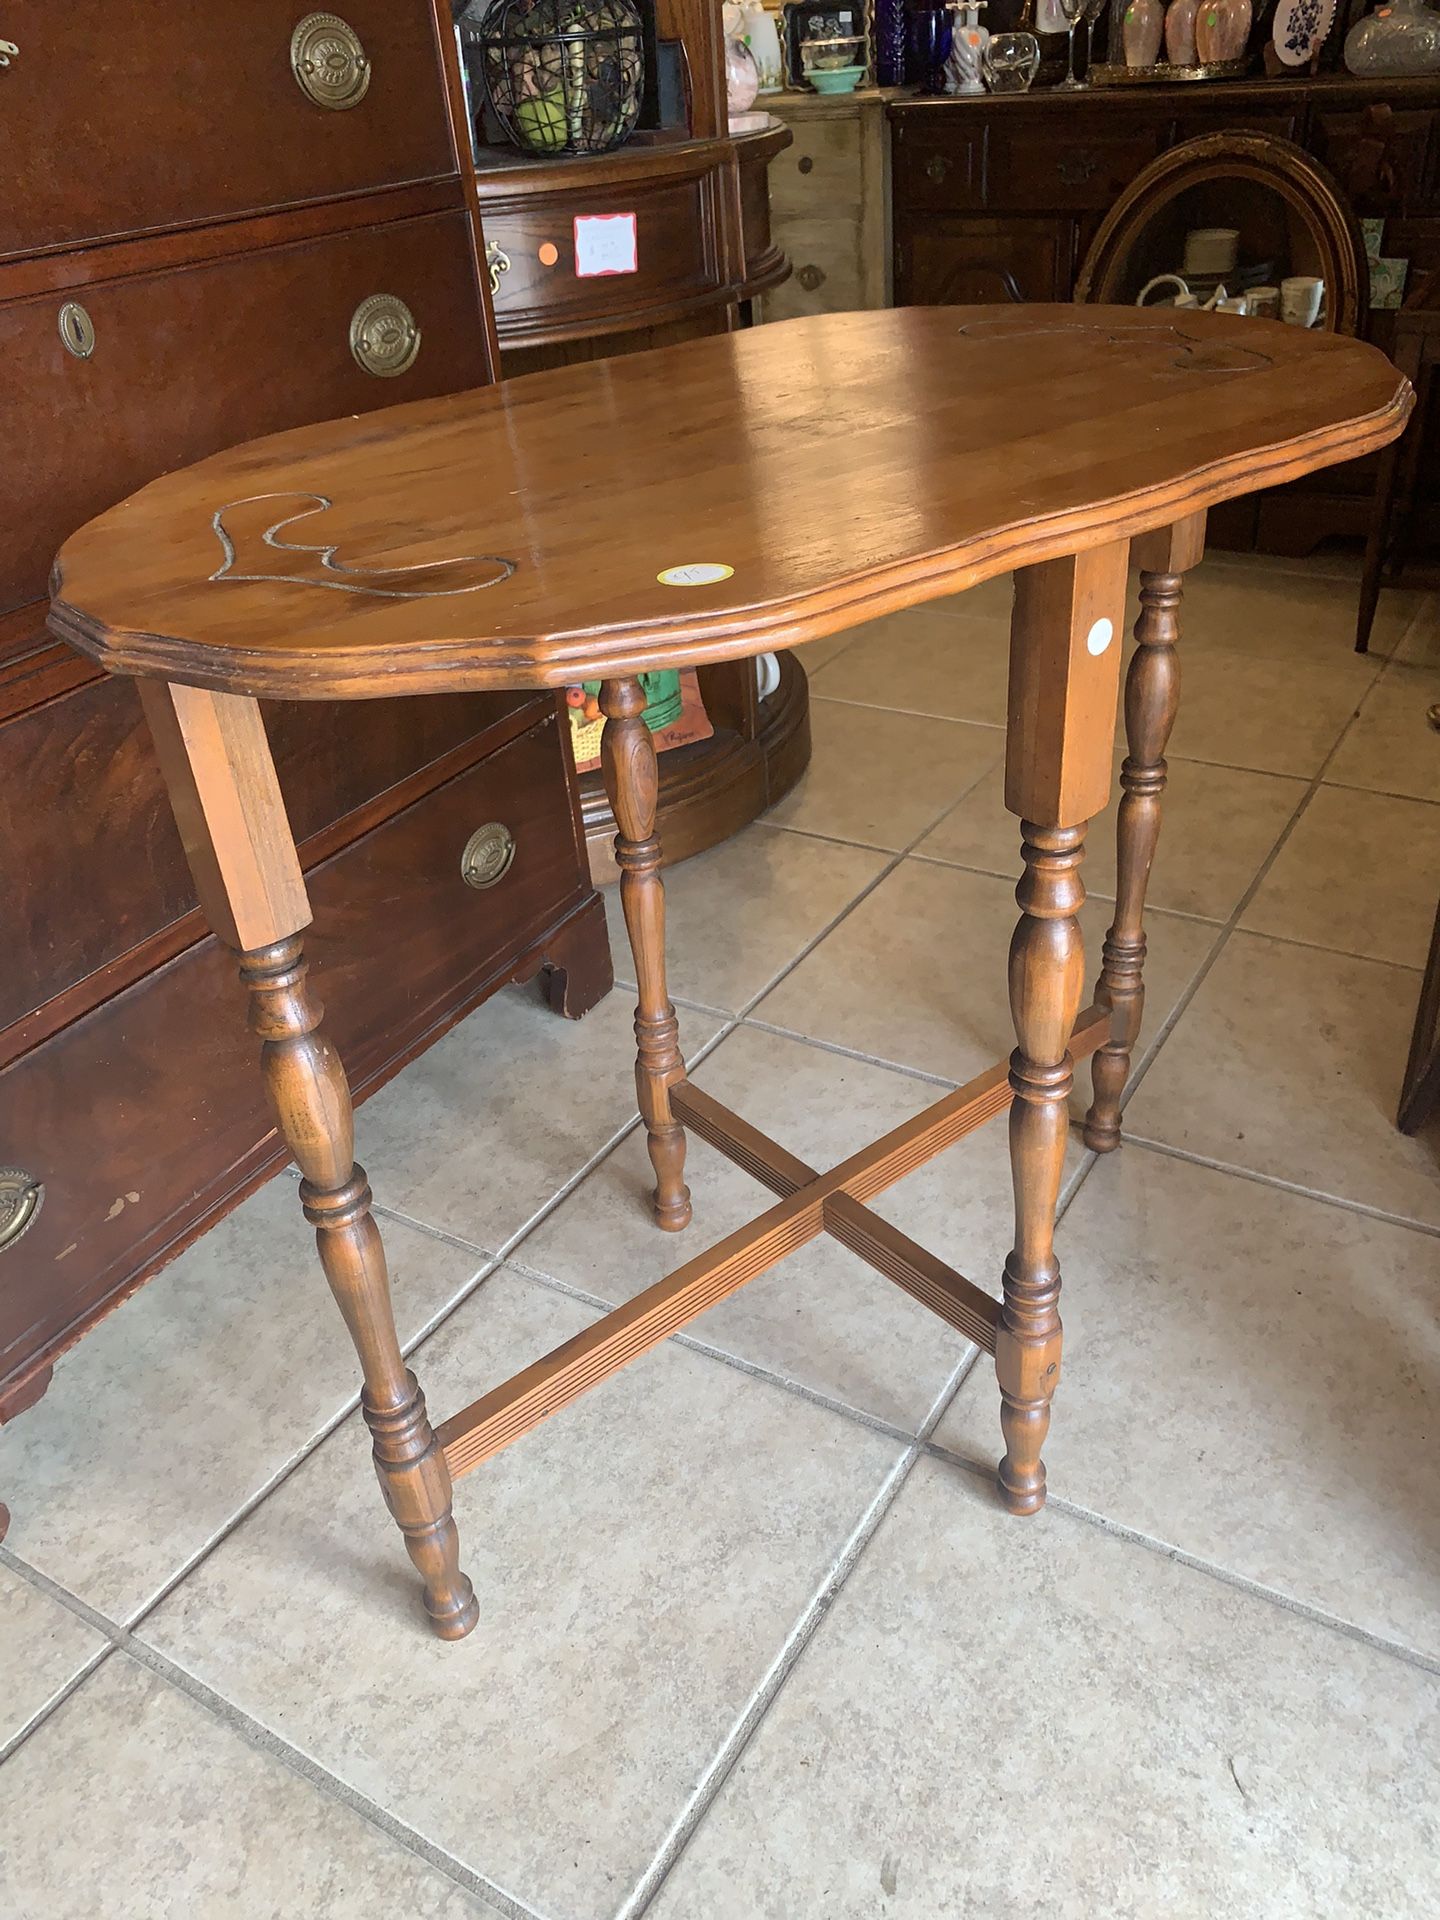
x: 13, y: 1742
x: 562, y: 1193
x: 1380, y: 793
x: 848, y: 1053
x: 912, y: 713
x: 1285, y: 1186
x: 702, y: 1798
x: 1212, y: 1569
x: 1011, y: 878
x: 264, y: 1739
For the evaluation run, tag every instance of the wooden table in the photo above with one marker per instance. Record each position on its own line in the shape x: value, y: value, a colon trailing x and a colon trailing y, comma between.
x: 707, y: 502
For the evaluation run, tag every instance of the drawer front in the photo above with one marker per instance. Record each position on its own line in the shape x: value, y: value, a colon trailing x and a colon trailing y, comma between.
x: 1381, y: 156
x: 166, y: 1075
x: 820, y: 174
x: 93, y: 862
x: 944, y: 263
x: 828, y: 271
x: 194, y: 359
x: 1085, y: 166
x: 938, y: 166
x: 540, y: 293
x: 131, y: 116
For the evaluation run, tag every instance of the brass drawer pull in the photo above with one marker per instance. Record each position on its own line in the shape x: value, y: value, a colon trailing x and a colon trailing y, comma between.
x: 77, y: 330
x: 805, y: 163
x: 20, y: 1197
x: 1075, y: 169
x: 811, y: 277
x: 498, y: 261
x: 328, y: 62
x: 383, y: 336
x: 936, y: 167
x: 488, y: 856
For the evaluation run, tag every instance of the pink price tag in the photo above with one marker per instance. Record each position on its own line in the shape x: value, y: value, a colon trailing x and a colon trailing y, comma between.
x: 605, y: 243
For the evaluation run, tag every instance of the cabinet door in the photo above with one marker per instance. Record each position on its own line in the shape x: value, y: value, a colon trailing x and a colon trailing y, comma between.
x: 1380, y: 156
x: 947, y: 263
x: 123, y: 116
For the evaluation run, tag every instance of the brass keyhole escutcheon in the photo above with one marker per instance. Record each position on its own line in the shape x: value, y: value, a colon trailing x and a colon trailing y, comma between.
x: 20, y: 1197
x: 328, y: 61
x: 77, y: 330
x: 488, y: 856
x: 383, y: 336
x: 498, y: 261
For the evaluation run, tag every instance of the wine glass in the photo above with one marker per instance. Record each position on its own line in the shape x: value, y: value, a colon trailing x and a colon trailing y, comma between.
x: 1071, y: 12
x: 1092, y: 11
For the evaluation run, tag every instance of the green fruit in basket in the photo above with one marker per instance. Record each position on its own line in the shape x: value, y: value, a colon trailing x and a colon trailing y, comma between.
x: 541, y: 122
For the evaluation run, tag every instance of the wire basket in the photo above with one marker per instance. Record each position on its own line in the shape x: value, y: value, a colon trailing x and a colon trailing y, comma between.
x: 563, y: 76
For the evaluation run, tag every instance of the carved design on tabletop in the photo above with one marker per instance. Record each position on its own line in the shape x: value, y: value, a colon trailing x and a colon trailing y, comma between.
x: 328, y: 61
x: 1193, y: 356
x: 242, y: 534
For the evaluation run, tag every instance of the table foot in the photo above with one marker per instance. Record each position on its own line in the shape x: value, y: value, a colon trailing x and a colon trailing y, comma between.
x: 632, y: 783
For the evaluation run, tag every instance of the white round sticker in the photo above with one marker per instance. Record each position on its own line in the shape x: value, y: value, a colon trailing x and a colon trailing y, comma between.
x: 697, y: 573
x: 1100, y: 636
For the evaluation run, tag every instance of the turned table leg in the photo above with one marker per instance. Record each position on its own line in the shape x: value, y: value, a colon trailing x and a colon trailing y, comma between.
x: 627, y: 755
x: 227, y: 802
x: 1064, y: 679
x: 1152, y: 694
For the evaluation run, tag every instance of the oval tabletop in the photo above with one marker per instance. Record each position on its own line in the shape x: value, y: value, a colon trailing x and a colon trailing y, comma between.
x: 703, y: 501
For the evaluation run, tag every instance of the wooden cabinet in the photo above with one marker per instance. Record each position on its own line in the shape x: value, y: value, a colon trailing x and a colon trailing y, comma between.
x: 189, y: 248
x: 1000, y: 197
x: 830, y: 204
x: 687, y: 251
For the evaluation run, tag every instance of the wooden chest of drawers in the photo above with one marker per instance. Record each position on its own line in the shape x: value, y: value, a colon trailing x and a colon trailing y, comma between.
x: 222, y: 221
x: 830, y: 199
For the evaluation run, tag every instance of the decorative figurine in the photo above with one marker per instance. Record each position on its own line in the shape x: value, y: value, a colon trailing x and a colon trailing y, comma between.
x: 965, y: 69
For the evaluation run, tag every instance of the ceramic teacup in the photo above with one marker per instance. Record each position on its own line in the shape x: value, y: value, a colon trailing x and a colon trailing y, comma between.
x: 1300, y: 298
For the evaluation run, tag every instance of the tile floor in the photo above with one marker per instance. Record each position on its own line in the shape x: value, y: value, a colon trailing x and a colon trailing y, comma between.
x: 755, y: 1640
